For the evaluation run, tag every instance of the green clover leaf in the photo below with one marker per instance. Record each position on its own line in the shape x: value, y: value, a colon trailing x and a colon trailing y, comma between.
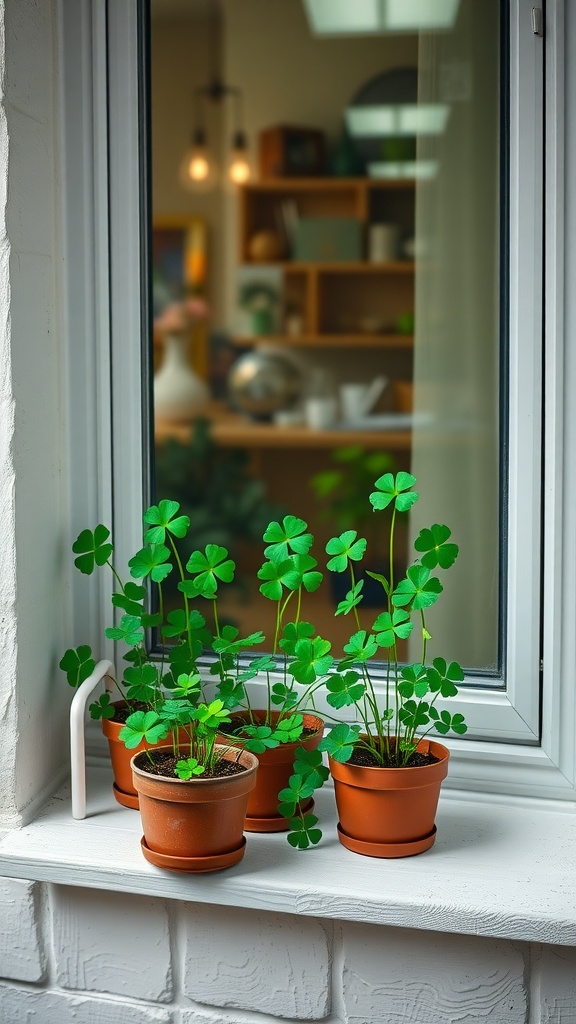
x: 413, y: 682
x: 289, y: 536
x: 142, y: 682
x: 352, y: 599
x: 347, y: 547
x: 292, y: 633
x: 187, y: 769
x: 308, y: 764
x: 442, y: 678
x: 418, y: 590
x: 387, y: 627
x: 228, y: 643
x: 129, y: 630
x: 414, y: 715
x: 189, y: 685
x: 161, y: 518
x: 297, y: 791
x: 259, y: 738
x: 340, y: 741
x: 345, y: 689
x: 264, y: 663
x: 283, y: 696
x: 230, y: 691
x: 288, y: 730
x: 143, y: 726
x: 131, y: 600
x: 397, y: 490
x: 436, y: 551
x: 102, y: 708
x: 151, y: 561
x: 444, y: 722
x: 209, y: 568
x: 92, y: 549
x: 361, y: 647
x: 312, y: 660
x: 302, y: 833
x: 176, y: 712
x: 78, y: 664
x: 276, y: 576
x: 210, y: 717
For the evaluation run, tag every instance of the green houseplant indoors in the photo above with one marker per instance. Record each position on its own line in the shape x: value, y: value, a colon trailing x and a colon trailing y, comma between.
x: 154, y: 690
x: 386, y: 747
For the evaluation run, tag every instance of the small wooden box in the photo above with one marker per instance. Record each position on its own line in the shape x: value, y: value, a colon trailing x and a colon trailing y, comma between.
x: 328, y: 240
x: 289, y: 152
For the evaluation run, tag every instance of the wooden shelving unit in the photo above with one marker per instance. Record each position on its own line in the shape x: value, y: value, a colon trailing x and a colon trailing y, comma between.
x: 333, y: 297
x: 230, y: 430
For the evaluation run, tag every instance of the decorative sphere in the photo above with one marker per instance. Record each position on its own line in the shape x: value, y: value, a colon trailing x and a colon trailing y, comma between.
x: 266, y: 246
x: 260, y: 383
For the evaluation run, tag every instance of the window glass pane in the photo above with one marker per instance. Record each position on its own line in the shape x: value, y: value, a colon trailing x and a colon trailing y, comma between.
x: 338, y: 313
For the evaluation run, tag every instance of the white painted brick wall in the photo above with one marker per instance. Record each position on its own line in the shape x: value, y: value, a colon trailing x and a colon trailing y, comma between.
x: 77, y: 956
x: 430, y: 977
x: 274, y: 963
x: 21, y: 953
x: 111, y: 942
x: 554, y: 970
x: 21, y: 1006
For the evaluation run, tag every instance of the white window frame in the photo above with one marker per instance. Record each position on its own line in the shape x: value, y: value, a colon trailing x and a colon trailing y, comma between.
x: 503, y: 751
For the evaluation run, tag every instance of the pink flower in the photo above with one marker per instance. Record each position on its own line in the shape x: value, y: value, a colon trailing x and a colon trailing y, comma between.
x: 179, y: 316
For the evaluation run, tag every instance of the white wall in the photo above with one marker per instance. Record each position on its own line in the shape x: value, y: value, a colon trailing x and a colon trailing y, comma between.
x: 33, y: 452
x: 77, y: 955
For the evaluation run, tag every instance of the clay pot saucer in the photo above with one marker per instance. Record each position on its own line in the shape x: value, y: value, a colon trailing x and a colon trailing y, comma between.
x: 193, y: 865
x: 387, y: 849
x: 126, y: 799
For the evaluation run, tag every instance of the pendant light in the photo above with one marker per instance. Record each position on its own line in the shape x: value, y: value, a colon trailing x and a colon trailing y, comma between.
x: 198, y: 166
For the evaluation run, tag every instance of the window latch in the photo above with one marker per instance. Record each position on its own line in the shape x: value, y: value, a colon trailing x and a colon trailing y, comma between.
x: 537, y: 21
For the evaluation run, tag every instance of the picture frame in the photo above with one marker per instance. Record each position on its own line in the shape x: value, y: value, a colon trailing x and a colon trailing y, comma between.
x: 179, y: 270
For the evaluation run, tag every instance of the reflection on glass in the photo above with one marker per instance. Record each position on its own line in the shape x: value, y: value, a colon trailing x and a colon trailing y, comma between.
x: 327, y: 309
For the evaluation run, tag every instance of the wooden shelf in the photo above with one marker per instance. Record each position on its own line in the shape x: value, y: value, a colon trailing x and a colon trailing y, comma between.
x: 326, y: 184
x: 337, y: 267
x: 332, y: 341
x: 231, y: 430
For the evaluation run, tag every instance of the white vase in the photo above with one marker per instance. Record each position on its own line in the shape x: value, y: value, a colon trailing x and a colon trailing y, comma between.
x: 178, y: 391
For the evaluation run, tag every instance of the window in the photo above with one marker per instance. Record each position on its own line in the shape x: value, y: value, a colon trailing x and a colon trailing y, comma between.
x: 503, y: 751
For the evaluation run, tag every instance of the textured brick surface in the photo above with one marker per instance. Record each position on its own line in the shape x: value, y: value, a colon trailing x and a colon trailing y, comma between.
x: 21, y: 955
x: 273, y: 963
x: 111, y: 942
x: 399, y: 976
x: 555, y: 966
x: 197, y: 1015
x: 23, y: 1006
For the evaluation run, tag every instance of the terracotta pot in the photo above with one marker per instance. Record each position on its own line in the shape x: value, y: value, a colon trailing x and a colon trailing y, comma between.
x: 195, y: 825
x: 389, y: 812
x: 120, y: 757
x: 275, y: 768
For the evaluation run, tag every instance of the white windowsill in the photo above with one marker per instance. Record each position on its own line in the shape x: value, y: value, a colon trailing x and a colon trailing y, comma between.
x: 500, y: 867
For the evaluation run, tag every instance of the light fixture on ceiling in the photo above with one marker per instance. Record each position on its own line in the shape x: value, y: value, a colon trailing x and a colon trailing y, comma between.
x: 381, y: 120
x: 369, y: 17
x: 198, y: 167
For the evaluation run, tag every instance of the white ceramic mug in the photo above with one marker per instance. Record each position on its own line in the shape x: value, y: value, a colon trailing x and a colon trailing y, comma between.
x: 358, y: 399
x: 383, y: 242
x: 320, y: 411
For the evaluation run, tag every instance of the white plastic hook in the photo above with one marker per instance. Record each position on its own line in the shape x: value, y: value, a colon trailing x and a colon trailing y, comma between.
x: 77, y: 738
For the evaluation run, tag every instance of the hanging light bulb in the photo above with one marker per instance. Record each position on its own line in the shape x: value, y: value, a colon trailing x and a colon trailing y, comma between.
x: 239, y: 166
x: 197, y: 170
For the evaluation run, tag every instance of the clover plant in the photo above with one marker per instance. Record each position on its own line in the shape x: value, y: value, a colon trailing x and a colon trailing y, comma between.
x: 391, y: 719
x: 165, y: 695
